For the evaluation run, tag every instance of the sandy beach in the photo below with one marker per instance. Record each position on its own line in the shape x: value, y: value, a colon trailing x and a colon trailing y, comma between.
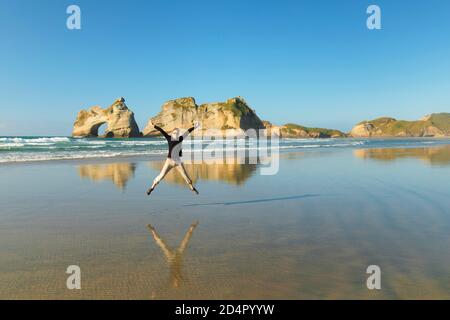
x: 225, y: 159
x: 308, y: 232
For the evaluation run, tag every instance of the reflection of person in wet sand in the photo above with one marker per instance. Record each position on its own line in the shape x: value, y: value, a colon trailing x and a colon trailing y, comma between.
x: 173, y: 160
x: 174, y: 258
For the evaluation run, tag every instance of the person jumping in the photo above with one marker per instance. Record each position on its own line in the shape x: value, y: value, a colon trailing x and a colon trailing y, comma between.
x: 174, y: 156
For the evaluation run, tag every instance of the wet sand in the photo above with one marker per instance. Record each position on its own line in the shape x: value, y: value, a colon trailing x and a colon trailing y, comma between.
x: 308, y: 232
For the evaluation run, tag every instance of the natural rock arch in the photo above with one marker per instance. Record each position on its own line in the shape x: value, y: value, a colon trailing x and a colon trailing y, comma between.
x: 118, y: 118
x: 94, y: 129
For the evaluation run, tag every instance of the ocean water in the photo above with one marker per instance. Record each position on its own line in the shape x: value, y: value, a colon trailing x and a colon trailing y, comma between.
x: 27, y: 149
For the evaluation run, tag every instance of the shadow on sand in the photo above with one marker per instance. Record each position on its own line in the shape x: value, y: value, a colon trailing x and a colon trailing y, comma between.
x: 252, y: 201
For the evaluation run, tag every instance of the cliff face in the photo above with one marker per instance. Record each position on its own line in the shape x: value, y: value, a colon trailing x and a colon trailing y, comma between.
x: 291, y: 130
x: 233, y: 115
x: 434, y: 125
x: 118, y: 118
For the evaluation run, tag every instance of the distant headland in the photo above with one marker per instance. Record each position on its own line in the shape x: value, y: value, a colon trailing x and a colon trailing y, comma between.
x: 234, y: 117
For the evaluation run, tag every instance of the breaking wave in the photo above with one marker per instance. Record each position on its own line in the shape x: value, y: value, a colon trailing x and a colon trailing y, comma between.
x: 26, y: 149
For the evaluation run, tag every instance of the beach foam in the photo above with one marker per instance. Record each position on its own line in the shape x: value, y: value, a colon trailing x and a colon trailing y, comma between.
x: 27, y: 149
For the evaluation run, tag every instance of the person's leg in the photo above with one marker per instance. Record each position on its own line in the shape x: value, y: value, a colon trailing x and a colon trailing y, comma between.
x: 166, y: 168
x: 182, y: 170
x: 187, y: 237
x: 161, y: 243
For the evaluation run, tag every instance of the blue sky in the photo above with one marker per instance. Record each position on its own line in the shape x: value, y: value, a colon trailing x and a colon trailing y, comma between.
x: 310, y: 62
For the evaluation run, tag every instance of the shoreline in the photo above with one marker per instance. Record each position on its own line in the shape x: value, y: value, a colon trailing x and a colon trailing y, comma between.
x: 60, y: 149
x: 187, y: 159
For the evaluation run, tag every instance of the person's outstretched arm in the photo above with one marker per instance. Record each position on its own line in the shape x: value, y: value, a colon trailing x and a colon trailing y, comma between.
x: 160, y: 242
x: 188, y: 131
x: 163, y: 132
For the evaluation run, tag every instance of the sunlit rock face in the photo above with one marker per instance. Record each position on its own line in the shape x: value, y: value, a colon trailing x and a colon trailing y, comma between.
x: 232, y: 117
x: 434, y: 125
x: 292, y: 130
x: 118, y: 118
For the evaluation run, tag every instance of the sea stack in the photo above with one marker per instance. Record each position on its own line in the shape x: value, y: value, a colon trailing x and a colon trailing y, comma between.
x: 118, y: 118
x: 233, y: 116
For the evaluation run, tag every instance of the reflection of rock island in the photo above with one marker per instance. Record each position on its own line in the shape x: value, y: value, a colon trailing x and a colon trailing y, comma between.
x: 118, y: 173
x: 233, y: 173
x: 432, y: 155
